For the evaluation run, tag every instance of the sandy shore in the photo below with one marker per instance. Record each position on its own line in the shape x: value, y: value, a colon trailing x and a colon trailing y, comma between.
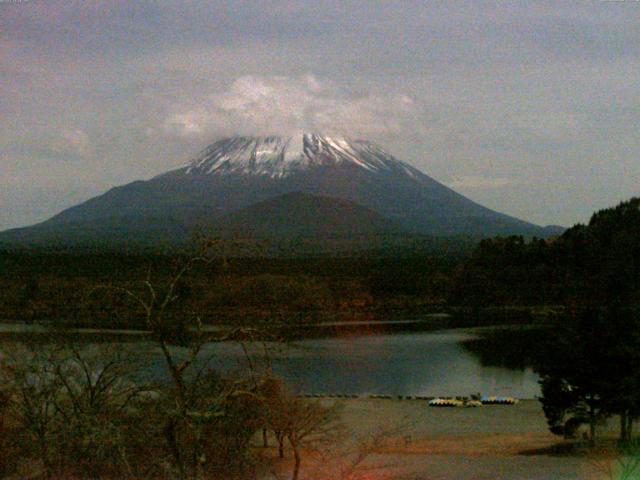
x: 422, y: 442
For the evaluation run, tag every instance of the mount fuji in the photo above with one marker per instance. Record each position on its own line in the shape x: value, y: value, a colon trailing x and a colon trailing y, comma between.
x: 305, y: 185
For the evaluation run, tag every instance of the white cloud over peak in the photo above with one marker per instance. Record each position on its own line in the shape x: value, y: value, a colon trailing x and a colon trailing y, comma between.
x: 283, y: 105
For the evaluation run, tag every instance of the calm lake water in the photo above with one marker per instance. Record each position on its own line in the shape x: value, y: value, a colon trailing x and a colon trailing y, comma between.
x: 429, y: 363
x: 422, y: 363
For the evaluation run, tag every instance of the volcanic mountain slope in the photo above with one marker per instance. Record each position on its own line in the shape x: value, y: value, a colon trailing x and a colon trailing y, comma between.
x: 235, y: 173
x: 300, y: 214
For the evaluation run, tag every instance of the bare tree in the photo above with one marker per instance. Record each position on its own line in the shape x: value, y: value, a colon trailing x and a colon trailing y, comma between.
x: 4, y: 454
x: 70, y: 404
x: 350, y: 456
x: 95, y: 406
x: 34, y: 390
x: 353, y: 464
x: 196, y: 400
x: 306, y: 424
x: 81, y: 411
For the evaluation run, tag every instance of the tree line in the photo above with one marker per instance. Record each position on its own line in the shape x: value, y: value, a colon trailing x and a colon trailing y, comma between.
x: 58, y: 288
x: 86, y: 410
x: 589, y: 354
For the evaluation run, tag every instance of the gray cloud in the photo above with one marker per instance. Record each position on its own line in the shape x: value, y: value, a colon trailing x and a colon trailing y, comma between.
x: 479, y: 182
x: 544, y: 94
x: 59, y: 144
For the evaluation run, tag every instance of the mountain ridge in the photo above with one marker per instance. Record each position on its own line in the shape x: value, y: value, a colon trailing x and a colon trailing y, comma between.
x: 237, y: 172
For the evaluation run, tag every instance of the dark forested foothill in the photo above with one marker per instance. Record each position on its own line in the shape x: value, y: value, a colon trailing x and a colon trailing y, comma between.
x: 67, y: 287
x: 504, y: 280
x: 509, y: 271
x: 594, y: 264
x: 589, y: 369
x: 589, y: 357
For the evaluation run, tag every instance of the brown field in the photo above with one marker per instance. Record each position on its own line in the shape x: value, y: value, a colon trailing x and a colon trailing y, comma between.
x: 426, y: 443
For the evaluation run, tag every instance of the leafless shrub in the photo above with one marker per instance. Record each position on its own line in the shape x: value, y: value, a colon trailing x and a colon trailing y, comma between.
x: 353, y: 457
x: 200, y: 410
x: 308, y: 426
x: 79, y: 411
x: 69, y: 406
x: 5, y: 454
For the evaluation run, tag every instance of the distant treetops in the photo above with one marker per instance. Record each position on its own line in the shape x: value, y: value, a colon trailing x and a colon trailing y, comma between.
x: 596, y: 264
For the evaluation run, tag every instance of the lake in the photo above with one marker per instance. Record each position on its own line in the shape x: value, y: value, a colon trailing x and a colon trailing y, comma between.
x: 418, y: 363
x: 424, y: 363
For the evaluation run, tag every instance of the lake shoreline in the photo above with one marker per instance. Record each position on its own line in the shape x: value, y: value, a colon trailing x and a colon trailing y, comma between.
x: 458, y: 443
x: 21, y: 331
x: 434, y: 362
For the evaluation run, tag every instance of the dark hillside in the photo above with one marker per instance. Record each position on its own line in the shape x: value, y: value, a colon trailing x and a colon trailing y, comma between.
x: 593, y: 264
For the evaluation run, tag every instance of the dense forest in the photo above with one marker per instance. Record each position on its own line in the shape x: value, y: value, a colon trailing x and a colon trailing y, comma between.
x: 65, y: 287
x: 593, y: 264
x: 589, y: 265
x: 587, y: 357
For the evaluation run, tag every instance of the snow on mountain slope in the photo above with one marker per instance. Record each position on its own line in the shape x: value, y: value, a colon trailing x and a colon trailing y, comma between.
x: 278, y: 157
x: 234, y: 174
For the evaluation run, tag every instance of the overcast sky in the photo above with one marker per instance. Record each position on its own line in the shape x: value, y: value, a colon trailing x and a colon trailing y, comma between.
x: 530, y: 108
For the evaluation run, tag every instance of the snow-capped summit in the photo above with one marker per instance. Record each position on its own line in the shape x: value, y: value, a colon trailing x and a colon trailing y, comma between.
x: 283, y: 186
x: 277, y: 157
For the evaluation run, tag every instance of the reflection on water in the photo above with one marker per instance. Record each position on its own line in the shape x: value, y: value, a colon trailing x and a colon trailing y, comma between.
x: 418, y: 363
x: 425, y: 363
